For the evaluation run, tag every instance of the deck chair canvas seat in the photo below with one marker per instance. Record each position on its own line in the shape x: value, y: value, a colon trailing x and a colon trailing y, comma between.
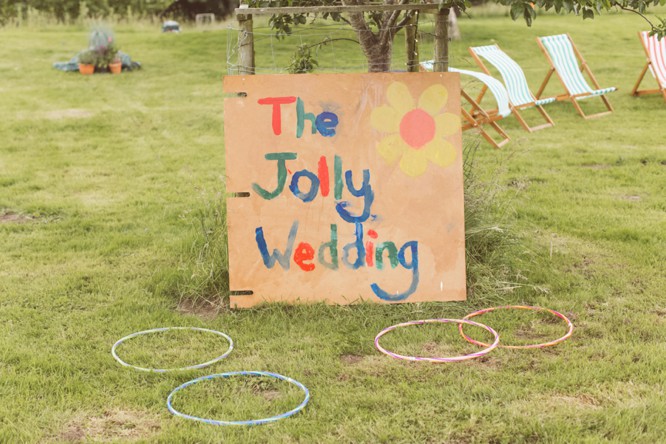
x: 564, y: 59
x: 478, y: 117
x: 520, y: 96
x: 655, y: 51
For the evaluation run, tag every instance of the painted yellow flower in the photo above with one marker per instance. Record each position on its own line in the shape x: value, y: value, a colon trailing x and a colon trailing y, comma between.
x: 417, y: 131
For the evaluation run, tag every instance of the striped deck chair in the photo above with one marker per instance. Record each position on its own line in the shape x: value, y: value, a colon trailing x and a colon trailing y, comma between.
x: 564, y: 57
x: 477, y: 117
x: 655, y: 50
x: 520, y: 96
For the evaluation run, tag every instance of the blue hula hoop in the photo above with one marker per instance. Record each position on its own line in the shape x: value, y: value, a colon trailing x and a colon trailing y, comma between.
x: 163, y: 370
x: 248, y: 422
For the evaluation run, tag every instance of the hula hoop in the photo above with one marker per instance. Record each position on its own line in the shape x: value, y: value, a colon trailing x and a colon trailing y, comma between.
x: 245, y: 422
x: 520, y: 307
x: 437, y: 359
x: 163, y: 370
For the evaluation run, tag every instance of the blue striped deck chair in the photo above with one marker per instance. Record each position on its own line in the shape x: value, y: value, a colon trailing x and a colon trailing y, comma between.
x: 520, y: 96
x: 564, y: 58
x: 477, y: 117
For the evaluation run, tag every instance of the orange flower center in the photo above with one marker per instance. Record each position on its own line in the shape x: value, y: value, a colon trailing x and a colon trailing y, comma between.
x: 417, y: 128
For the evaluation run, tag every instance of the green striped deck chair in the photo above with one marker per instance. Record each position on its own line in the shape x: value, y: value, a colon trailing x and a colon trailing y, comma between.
x: 520, y: 96
x: 478, y: 117
x: 564, y: 58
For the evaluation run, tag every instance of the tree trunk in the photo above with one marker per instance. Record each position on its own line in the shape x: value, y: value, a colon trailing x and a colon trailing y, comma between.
x: 411, y: 44
x: 379, y: 57
x: 376, y: 47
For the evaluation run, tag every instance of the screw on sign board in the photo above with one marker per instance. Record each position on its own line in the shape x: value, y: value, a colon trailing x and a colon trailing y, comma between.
x: 344, y: 187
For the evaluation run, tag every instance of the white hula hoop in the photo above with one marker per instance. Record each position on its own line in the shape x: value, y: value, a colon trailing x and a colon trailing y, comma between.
x: 163, y: 370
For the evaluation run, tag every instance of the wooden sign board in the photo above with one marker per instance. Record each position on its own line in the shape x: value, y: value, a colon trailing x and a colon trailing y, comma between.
x: 344, y: 187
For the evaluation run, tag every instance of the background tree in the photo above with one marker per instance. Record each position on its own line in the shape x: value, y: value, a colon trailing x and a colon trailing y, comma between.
x: 188, y: 9
x: 377, y: 30
x: 66, y: 10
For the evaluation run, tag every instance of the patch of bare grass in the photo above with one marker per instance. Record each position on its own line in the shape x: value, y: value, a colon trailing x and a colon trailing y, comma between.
x: 70, y: 113
x: 11, y: 217
x: 551, y: 403
x: 351, y: 359
x: 122, y: 425
x: 202, y: 308
x: 632, y: 198
x: 597, y: 166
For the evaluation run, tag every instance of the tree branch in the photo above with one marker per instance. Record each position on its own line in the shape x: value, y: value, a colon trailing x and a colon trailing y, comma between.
x: 408, y: 15
x: 356, y: 19
x: 624, y: 8
x: 327, y: 41
x: 344, y: 19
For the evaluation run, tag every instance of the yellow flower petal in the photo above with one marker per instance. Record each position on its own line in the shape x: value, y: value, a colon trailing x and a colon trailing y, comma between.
x: 391, y: 148
x: 414, y: 162
x: 434, y: 99
x: 446, y: 124
x: 399, y: 97
x: 440, y: 152
x: 386, y: 119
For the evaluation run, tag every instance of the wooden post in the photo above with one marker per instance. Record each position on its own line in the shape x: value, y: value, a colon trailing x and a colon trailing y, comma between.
x: 441, y: 41
x: 411, y: 43
x: 245, y: 44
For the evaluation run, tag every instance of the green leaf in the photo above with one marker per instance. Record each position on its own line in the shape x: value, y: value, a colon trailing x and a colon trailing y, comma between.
x: 516, y: 10
x: 558, y: 5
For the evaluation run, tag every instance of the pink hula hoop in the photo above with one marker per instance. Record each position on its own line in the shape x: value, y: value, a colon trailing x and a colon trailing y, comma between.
x: 437, y: 359
x: 520, y: 307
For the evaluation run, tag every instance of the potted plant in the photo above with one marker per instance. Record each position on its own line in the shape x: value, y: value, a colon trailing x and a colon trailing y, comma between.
x: 87, y: 62
x: 116, y: 65
x: 105, y: 56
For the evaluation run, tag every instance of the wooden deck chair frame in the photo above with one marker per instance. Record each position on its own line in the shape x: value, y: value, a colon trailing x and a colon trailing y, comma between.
x: 648, y: 65
x: 477, y: 117
x: 584, y: 68
x: 514, y: 109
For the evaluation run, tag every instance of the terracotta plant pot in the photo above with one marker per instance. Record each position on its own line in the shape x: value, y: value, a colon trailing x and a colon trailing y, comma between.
x: 115, y: 68
x: 86, y: 69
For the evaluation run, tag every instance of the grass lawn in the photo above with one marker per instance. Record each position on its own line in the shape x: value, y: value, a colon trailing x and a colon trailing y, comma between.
x: 111, y: 203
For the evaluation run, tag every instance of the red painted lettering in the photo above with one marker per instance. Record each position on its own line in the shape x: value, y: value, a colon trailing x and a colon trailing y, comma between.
x: 276, y: 117
x: 323, y: 176
x: 304, y: 252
